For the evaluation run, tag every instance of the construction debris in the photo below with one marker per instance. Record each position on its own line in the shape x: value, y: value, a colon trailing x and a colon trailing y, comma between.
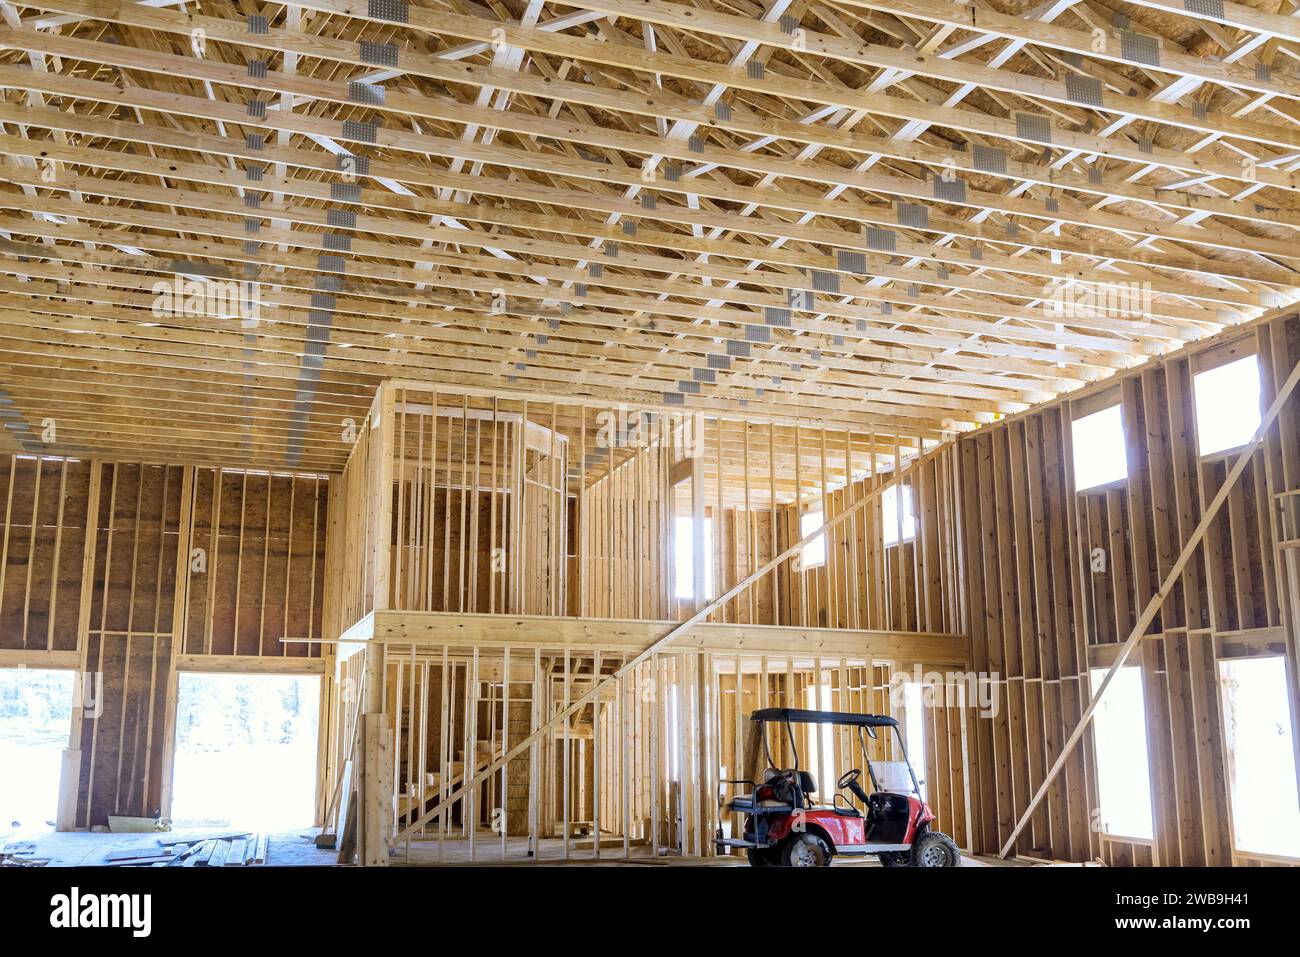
x: 228, y: 850
x: 19, y: 855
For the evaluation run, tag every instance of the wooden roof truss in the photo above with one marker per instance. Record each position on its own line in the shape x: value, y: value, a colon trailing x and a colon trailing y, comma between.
x: 860, y: 212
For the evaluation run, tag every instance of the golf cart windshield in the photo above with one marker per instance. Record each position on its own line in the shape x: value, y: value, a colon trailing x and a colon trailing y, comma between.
x: 893, y: 776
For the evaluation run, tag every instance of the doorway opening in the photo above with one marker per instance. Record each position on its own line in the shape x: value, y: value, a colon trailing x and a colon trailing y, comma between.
x: 245, y: 751
x: 35, y: 722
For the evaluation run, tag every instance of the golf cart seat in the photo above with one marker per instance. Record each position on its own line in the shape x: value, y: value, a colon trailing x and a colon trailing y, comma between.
x: 807, y: 787
x: 768, y: 776
x: 746, y: 804
x: 750, y: 803
x: 799, y: 796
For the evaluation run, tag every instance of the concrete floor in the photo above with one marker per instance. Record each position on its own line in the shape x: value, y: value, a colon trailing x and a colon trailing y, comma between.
x: 487, y: 850
x: 296, y: 849
x: 82, y: 849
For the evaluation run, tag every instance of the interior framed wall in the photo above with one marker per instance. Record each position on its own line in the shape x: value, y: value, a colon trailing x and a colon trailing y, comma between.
x: 503, y: 502
x: 580, y: 502
x: 644, y: 761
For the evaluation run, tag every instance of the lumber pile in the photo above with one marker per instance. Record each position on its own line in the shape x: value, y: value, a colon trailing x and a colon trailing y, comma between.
x: 21, y: 854
x: 227, y: 850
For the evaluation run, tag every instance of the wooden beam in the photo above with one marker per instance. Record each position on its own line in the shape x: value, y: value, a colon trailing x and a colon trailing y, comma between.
x: 624, y: 635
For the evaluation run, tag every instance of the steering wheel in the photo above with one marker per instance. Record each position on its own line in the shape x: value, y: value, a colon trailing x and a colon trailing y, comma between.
x: 850, y: 776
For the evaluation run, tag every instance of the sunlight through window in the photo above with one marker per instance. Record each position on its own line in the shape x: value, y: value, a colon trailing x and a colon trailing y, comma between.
x: 684, y: 558
x: 245, y: 750
x: 1098, y: 446
x: 35, y: 718
x: 814, y: 553
x: 914, y: 727
x: 1227, y: 405
x: 1119, y: 734
x: 1258, y: 734
x: 822, y: 742
x: 889, y: 514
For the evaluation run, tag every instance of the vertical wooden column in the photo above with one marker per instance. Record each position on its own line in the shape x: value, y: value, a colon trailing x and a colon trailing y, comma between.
x: 697, y: 518
x: 375, y: 788
x: 705, y: 766
x: 180, y: 603
x: 70, y: 772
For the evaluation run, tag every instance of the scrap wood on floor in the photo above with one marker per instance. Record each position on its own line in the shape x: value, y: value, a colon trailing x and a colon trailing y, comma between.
x: 227, y: 850
x: 20, y: 854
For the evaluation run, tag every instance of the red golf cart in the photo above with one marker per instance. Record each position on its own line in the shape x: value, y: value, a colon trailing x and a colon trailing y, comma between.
x: 785, y: 826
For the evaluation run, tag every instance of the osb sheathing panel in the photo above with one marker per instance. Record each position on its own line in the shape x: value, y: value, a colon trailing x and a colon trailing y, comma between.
x: 122, y: 746
x: 261, y: 572
x: 130, y: 645
x: 443, y: 576
x: 135, y: 563
x: 40, y: 568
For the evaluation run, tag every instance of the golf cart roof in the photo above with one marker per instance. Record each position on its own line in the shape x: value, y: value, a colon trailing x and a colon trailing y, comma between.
x: 804, y: 716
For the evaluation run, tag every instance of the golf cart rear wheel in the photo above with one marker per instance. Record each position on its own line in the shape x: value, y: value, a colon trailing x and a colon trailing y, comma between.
x: 805, y: 850
x: 933, y: 849
x: 895, y: 858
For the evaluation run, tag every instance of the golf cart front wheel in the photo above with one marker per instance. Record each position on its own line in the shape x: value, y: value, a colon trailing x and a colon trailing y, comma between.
x: 933, y: 849
x: 805, y: 850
